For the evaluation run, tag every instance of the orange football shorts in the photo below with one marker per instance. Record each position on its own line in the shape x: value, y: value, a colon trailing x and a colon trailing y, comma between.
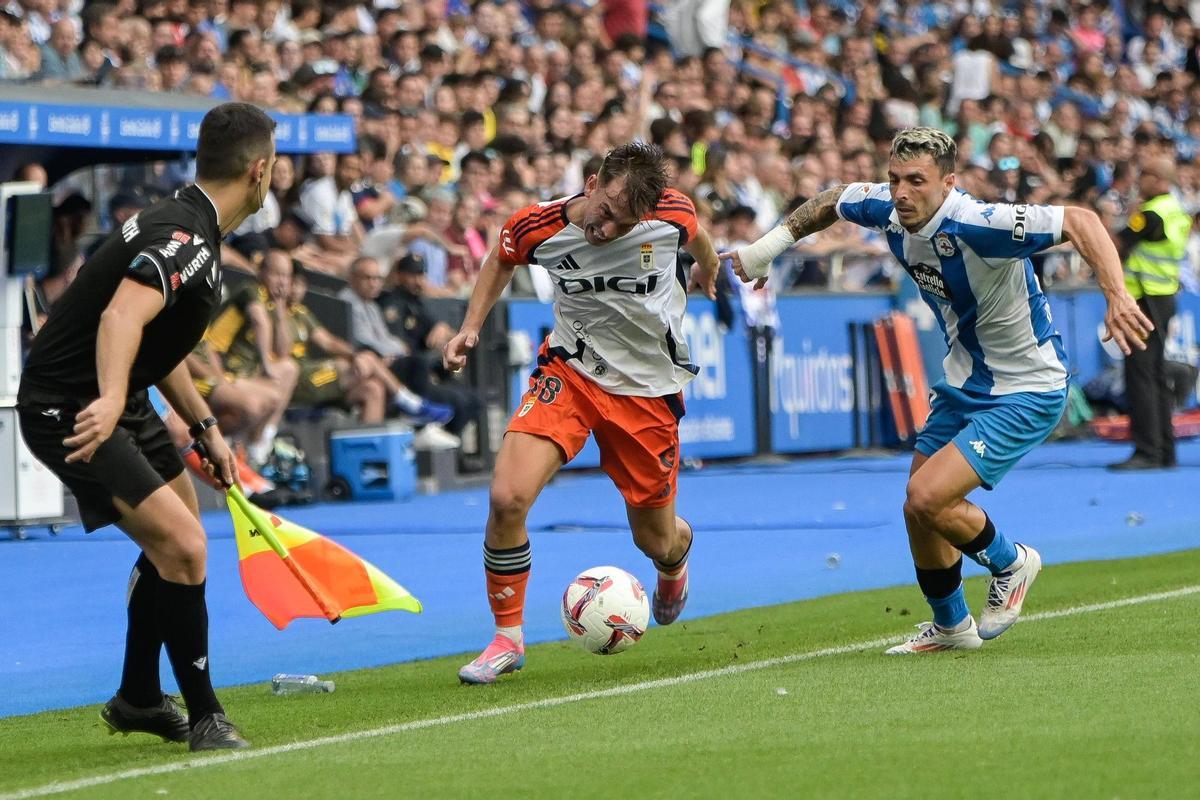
x: 638, y: 436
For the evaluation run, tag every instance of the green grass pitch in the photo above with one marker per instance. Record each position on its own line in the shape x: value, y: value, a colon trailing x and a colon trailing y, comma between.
x: 1103, y: 703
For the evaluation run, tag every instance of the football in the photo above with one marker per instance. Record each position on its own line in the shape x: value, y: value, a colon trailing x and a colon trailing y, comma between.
x: 605, y: 610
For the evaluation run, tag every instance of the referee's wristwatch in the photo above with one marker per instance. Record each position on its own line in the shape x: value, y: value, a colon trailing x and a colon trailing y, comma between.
x: 200, y: 427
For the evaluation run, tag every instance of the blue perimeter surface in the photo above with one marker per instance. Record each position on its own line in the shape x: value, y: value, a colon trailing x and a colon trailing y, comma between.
x: 765, y: 534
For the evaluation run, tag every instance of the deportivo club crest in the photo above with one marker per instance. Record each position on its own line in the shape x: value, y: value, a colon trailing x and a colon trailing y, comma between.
x: 943, y: 245
x: 647, y: 256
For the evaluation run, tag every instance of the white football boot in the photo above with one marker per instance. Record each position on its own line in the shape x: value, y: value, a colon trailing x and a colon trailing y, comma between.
x: 1006, y: 593
x: 933, y: 639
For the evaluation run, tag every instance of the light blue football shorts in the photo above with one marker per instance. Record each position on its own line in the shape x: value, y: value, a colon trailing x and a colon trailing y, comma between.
x: 992, y: 432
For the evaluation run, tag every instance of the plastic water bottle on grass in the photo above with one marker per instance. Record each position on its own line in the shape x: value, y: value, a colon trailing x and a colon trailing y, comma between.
x: 299, y: 684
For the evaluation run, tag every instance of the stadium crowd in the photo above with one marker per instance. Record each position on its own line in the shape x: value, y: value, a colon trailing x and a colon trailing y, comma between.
x: 467, y: 111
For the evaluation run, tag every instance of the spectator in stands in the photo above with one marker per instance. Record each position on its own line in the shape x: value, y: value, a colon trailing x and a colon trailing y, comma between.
x: 241, y: 404
x: 284, y: 185
x: 60, y: 58
x: 70, y: 220
x: 373, y: 197
x: 32, y: 171
x: 122, y: 206
x: 295, y: 235
x: 335, y: 373
x: 330, y: 205
x: 13, y: 63
x: 716, y: 188
x: 758, y: 304
x: 808, y: 91
x: 370, y: 331
x: 475, y: 179
x: 465, y: 231
x: 172, y: 69
x: 409, y: 318
x: 251, y: 338
x: 434, y: 250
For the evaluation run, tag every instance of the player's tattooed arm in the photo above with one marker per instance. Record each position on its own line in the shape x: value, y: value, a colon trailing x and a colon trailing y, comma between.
x: 816, y: 214
x: 753, y: 262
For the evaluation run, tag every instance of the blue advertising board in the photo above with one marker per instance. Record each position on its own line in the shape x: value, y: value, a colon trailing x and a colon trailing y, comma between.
x: 156, y: 128
x: 720, y: 401
x: 1079, y: 317
x: 812, y: 371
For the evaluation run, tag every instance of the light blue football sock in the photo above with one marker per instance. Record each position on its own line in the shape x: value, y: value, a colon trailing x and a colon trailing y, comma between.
x: 991, y: 549
x: 951, y: 610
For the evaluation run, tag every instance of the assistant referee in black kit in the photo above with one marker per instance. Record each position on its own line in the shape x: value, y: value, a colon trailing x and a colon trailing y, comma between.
x: 138, y: 307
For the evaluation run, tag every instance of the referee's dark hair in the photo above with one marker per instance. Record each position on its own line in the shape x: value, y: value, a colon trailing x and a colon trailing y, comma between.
x: 232, y: 137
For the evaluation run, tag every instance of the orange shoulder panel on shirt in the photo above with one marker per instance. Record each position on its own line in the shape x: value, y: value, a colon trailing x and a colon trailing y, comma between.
x: 528, y: 228
x: 676, y: 208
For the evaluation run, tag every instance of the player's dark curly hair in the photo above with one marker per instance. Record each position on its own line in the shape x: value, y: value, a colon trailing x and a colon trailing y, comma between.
x: 644, y: 168
x: 232, y: 137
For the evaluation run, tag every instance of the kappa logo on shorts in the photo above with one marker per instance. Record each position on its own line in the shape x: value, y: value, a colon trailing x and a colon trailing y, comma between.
x: 978, y: 446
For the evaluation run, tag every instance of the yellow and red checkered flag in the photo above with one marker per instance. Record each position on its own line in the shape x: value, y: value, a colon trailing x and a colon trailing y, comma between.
x: 289, y: 571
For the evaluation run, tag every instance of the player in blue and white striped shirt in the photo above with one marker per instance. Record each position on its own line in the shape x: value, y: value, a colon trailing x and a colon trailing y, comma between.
x: 1006, y: 376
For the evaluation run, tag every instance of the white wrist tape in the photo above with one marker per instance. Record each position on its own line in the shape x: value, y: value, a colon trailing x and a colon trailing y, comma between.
x: 756, y: 258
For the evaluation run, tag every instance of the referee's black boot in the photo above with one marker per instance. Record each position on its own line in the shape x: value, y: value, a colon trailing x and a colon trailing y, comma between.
x: 216, y: 732
x: 164, y: 719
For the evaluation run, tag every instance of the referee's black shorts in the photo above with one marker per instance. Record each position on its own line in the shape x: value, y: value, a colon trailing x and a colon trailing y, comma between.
x: 136, y: 460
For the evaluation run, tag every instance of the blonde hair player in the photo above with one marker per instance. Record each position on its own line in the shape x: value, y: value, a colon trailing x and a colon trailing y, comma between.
x: 1006, y: 376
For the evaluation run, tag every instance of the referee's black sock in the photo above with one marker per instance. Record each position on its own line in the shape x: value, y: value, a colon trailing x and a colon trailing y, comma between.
x: 183, y: 623
x: 139, y: 676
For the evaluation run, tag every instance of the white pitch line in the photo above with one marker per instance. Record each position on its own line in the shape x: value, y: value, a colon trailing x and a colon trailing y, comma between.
x: 616, y: 691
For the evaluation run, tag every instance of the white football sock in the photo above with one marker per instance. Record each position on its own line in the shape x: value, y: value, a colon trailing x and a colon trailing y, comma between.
x: 512, y: 633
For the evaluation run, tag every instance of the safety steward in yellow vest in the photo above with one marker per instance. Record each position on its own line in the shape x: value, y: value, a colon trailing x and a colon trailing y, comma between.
x: 1154, y: 247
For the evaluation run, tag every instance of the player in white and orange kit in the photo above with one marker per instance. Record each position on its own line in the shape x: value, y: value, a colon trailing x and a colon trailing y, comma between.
x: 614, y: 367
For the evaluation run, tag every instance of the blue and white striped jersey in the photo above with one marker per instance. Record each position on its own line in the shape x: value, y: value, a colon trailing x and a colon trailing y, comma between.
x: 971, y: 263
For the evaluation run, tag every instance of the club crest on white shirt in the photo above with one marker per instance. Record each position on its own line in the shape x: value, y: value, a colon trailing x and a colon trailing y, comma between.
x: 943, y: 245
x: 647, y: 255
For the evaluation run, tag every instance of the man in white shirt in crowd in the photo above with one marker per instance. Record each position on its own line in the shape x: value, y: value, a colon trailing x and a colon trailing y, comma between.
x: 329, y: 204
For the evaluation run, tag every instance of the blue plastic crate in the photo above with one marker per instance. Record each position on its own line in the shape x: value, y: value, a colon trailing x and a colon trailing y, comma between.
x: 376, y: 463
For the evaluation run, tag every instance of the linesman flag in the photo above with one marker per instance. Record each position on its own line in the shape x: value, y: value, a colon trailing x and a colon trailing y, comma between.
x: 289, y: 571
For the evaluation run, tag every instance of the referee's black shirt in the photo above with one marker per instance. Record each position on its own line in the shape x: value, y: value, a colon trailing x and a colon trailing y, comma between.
x: 173, y: 246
